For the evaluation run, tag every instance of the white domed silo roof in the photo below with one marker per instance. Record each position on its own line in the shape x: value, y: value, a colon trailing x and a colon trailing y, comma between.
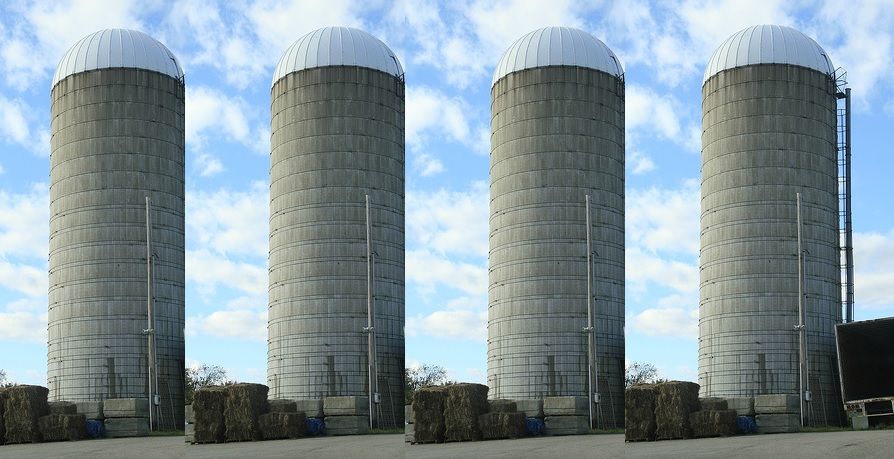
x: 551, y: 46
x: 332, y: 46
x: 768, y: 44
x: 117, y: 48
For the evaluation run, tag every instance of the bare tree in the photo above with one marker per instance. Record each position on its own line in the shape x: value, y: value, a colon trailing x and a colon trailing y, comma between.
x: 422, y: 376
x: 4, y: 381
x: 202, y: 376
x: 641, y: 373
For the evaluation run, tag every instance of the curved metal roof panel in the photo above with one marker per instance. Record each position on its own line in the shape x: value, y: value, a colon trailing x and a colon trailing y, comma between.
x: 551, y: 46
x: 768, y: 44
x: 331, y: 46
x: 117, y: 48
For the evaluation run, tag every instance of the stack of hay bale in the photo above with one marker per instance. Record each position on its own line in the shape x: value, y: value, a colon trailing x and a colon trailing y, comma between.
x: 95, y: 417
x: 23, y: 406
x: 2, y: 409
x: 449, y: 413
x: 208, y: 409
x: 283, y: 420
x: 503, y: 420
x: 464, y: 405
x: 189, y: 430
x: 241, y: 412
x: 126, y: 417
x: 409, y: 433
x: 675, y: 402
x: 777, y: 413
x: 63, y: 423
x: 347, y: 415
x: 714, y: 419
x: 660, y: 411
x: 243, y: 406
x: 428, y: 414
x: 533, y: 410
x: 639, y: 412
x: 567, y: 415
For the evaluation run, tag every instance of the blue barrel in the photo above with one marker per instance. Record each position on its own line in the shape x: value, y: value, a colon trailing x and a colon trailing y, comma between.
x: 534, y: 426
x: 315, y: 426
x: 745, y: 424
x: 95, y: 429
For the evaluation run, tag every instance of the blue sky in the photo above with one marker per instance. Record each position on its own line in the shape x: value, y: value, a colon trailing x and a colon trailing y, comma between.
x: 449, y: 50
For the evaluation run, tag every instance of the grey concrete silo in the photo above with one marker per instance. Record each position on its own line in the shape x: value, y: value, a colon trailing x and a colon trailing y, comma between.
x: 769, y: 131
x: 337, y: 135
x: 117, y: 137
x: 558, y: 135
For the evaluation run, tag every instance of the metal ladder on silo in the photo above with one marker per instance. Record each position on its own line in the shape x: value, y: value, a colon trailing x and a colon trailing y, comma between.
x: 845, y: 220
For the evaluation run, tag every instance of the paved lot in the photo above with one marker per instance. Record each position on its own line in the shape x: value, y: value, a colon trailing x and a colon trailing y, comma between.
x: 383, y: 446
x: 577, y: 446
x: 876, y: 443
x: 144, y: 447
x: 359, y: 446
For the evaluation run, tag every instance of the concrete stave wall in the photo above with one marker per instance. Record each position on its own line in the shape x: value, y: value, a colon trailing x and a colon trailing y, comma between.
x: 337, y: 134
x: 768, y: 132
x: 558, y: 134
x: 117, y: 135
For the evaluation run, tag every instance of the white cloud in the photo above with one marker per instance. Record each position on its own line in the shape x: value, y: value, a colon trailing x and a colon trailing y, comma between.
x: 202, y: 37
x: 43, y: 31
x: 874, y: 270
x: 709, y: 23
x: 858, y: 37
x: 714, y: 21
x: 644, y: 269
x: 449, y: 231
x: 13, y: 124
x: 640, y: 163
x: 446, y: 47
x: 24, y: 228
x: 244, y: 318
x: 24, y: 240
x: 228, y: 230
x: 210, y: 271
x: 501, y: 23
x: 450, y: 222
x: 18, y: 125
x: 278, y: 23
x: 433, y: 115
x: 673, y: 322
x: 675, y: 40
x: 24, y: 319
x: 23, y: 278
x: 476, y: 375
x: 464, y: 41
x: 208, y: 164
x: 665, y: 220
x: 427, y: 271
x: 662, y: 116
x: 428, y: 165
x: 454, y: 324
x: 230, y: 222
x: 212, y: 114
